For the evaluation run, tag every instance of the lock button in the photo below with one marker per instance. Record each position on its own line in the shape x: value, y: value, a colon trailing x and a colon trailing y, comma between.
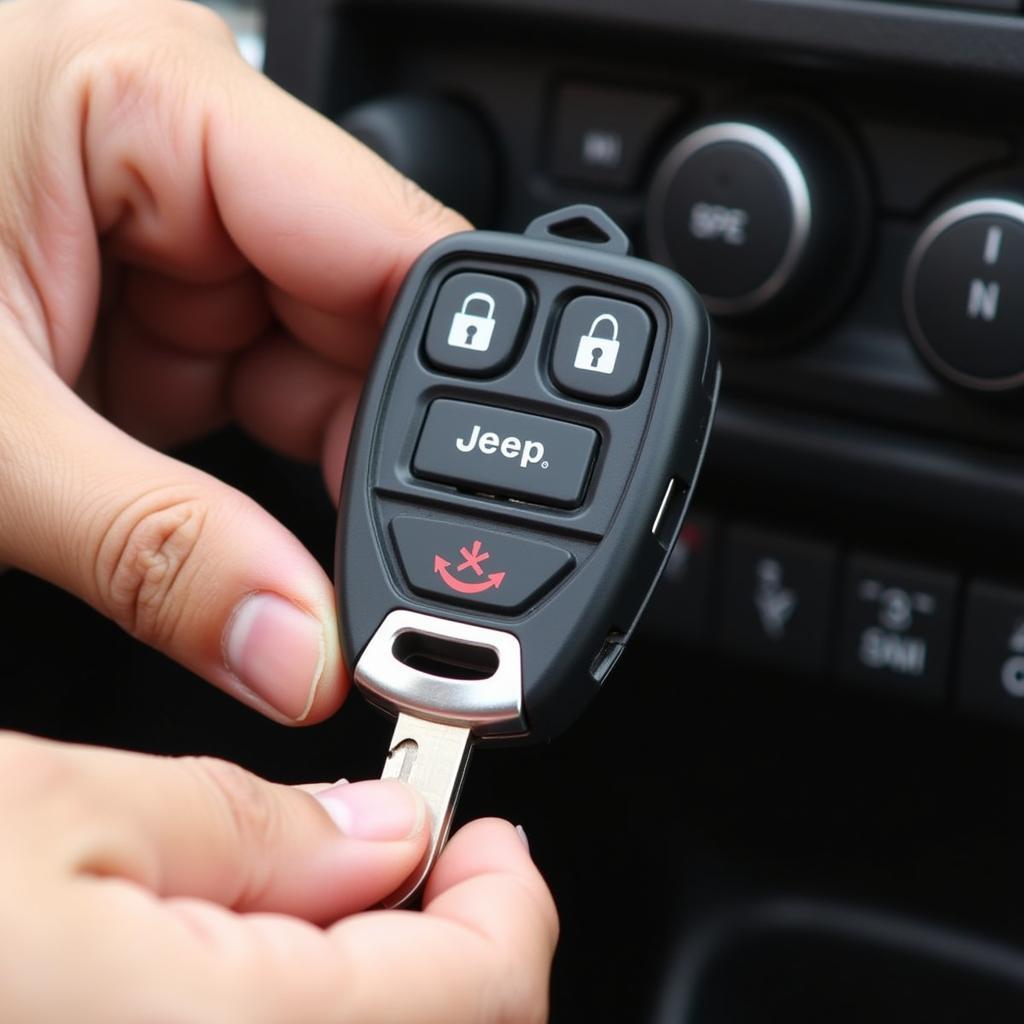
x: 601, y: 349
x: 476, y: 324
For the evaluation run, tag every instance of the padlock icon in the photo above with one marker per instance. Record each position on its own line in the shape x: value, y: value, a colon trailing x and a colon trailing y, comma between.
x: 471, y: 331
x: 599, y: 355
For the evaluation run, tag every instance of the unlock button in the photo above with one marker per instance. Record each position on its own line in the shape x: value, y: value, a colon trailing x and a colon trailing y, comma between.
x: 601, y: 349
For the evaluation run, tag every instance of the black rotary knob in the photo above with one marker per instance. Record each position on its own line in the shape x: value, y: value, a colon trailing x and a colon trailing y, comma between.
x: 765, y: 219
x: 962, y: 298
x: 436, y: 142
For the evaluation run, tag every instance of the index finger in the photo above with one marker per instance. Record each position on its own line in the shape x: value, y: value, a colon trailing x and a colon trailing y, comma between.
x: 481, y: 950
x: 321, y: 216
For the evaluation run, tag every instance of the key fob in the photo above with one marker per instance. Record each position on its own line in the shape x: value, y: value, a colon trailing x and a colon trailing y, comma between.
x: 526, y: 447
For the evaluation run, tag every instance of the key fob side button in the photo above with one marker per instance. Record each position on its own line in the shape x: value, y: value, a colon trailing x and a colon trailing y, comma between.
x: 601, y: 349
x: 509, y: 454
x: 476, y: 324
x: 483, y: 569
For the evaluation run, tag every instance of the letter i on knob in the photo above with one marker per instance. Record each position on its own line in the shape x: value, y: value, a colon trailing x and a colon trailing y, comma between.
x: 961, y: 299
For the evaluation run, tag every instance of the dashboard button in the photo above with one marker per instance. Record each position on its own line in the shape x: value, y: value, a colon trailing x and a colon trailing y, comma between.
x: 742, y: 212
x: 486, y: 450
x: 897, y: 627
x: 480, y: 568
x: 731, y: 210
x: 962, y: 299
x: 601, y: 349
x: 777, y: 599
x: 476, y: 324
x: 603, y: 135
x: 990, y: 677
x: 765, y: 219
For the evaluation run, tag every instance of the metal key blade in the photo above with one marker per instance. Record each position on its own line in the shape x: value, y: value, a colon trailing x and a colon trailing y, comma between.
x: 431, y: 755
x: 432, y: 758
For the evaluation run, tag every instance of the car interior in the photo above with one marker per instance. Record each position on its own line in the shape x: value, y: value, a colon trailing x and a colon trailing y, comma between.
x: 795, y: 799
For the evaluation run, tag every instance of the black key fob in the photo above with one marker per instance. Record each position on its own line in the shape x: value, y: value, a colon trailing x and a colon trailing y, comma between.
x: 527, y: 444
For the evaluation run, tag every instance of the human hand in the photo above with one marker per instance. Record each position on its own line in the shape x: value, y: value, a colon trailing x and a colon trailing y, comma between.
x: 149, y: 889
x: 246, y: 251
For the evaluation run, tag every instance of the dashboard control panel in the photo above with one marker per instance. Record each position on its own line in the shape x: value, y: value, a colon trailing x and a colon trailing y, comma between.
x: 844, y: 185
x: 836, y: 651
x: 820, y: 610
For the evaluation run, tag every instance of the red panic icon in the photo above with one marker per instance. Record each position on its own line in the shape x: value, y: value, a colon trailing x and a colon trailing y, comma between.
x: 473, y: 559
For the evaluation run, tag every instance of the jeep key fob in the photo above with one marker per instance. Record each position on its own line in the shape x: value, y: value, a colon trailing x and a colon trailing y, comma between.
x: 526, y: 447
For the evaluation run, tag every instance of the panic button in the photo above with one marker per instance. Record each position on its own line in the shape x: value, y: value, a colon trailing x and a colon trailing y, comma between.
x: 476, y: 567
x: 486, y: 450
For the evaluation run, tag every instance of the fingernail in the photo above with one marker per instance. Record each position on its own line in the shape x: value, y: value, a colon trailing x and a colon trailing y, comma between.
x: 277, y: 651
x: 374, y: 810
x: 523, y: 837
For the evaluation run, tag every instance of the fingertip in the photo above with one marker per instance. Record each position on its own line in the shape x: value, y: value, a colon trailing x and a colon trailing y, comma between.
x: 484, y: 846
x: 486, y: 866
x: 328, y: 697
x: 286, y: 655
x: 332, y: 687
x: 489, y: 830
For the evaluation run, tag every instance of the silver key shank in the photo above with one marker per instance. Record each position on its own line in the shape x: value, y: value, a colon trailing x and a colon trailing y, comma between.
x: 433, y: 759
x: 439, y: 714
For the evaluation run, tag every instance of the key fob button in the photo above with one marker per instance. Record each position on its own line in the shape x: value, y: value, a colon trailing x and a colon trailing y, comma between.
x: 485, y: 450
x: 601, y: 349
x: 476, y: 324
x: 479, y: 568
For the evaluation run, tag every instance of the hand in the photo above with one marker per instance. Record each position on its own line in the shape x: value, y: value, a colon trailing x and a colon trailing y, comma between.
x: 148, y: 889
x: 239, y: 254
x: 246, y: 252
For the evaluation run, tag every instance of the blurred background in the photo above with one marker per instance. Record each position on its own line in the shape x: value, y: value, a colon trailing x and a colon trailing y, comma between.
x: 247, y: 18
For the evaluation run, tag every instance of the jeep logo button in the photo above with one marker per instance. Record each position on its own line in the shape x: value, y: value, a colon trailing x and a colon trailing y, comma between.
x: 528, y: 452
x: 493, y: 451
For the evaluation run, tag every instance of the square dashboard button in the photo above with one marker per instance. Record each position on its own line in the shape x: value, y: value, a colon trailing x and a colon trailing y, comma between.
x: 777, y: 599
x: 898, y: 621
x: 679, y: 609
x: 990, y: 676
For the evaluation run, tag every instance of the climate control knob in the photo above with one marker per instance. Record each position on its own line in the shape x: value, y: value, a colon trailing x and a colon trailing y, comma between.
x: 962, y: 298
x: 765, y: 219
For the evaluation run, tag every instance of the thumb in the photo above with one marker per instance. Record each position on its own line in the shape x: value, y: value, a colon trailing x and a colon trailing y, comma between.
x: 209, y: 829
x: 179, y: 559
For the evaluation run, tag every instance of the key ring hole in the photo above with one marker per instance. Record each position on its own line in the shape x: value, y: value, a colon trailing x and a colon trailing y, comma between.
x: 445, y: 658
